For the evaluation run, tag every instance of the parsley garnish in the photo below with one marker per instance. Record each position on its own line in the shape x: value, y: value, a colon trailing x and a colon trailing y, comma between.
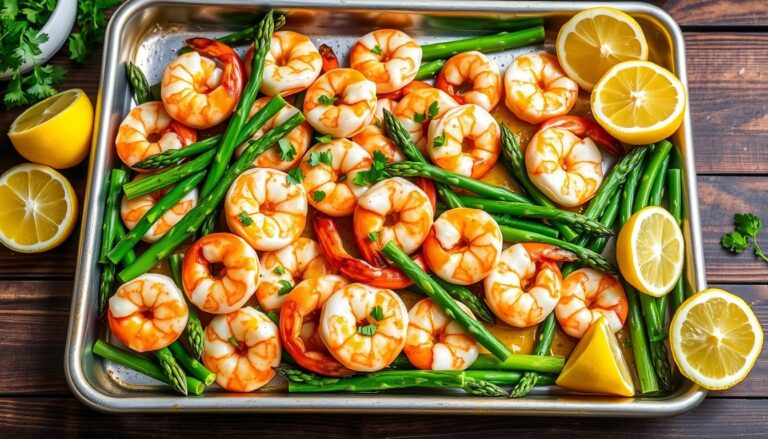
x: 375, y: 173
x: 433, y: 110
x: 285, y: 288
x: 419, y: 117
x: 287, y: 151
x: 318, y: 196
x: 377, y: 313
x: 278, y: 270
x: 376, y: 50
x: 325, y: 100
x: 233, y: 341
x: 244, y: 219
x: 274, y: 317
x: 320, y: 157
x: 295, y: 176
x: 367, y: 330
x: 374, y: 236
x: 747, y: 228
x: 439, y: 141
x: 324, y: 139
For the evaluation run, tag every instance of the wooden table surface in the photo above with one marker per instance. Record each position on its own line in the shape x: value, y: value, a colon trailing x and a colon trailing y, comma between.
x: 727, y: 46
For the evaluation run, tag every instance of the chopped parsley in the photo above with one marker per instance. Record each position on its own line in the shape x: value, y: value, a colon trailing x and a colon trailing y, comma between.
x: 433, y: 110
x: 320, y: 157
x: 374, y: 236
x: 287, y: 151
x: 295, y: 176
x: 325, y: 100
x: 439, y: 141
x: 367, y: 330
x: 375, y: 173
x: 244, y: 219
x: 419, y: 117
x: 285, y: 288
x: 233, y: 341
x: 377, y: 313
x: 324, y: 139
x: 376, y: 50
x: 318, y: 196
x: 278, y: 270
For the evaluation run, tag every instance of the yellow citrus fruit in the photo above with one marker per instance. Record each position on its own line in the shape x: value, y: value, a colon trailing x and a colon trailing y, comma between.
x: 715, y: 339
x: 596, y: 364
x: 649, y: 250
x: 639, y: 102
x: 55, y: 132
x: 596, y: 39
x: 39, y: 208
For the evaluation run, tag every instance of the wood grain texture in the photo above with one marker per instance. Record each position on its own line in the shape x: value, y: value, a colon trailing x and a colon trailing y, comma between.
x: 716, y: 12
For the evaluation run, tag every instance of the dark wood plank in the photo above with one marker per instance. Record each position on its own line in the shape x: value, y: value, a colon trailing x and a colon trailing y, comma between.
x: 737, y: 418
x: 717, y: 12
x: 35, y: 316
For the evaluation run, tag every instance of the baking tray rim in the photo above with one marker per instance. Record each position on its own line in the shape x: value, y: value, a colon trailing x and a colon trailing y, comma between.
x: 688, y: 397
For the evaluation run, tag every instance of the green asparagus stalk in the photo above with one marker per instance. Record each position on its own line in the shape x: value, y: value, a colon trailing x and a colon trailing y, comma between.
x: 211, y: 222
x: 675, y: 198
x: 512, y: 158
x: 229, y: 141
x: 486, y: 44
x: 117, y: 178
x: 130, y: 255
x: 172, y: 371
x: 468, y: 298
x: 139, y: 84
x: 142, y: 365
x: 482, y: 23
x: 609, y: 217
x: 107, y: 285
x: 402, y: 139
x: 158, y: 181
x: 432, y: 289
x: 195, y: 331
x: 153, y: 215
x: 609, y: 189
x: 300, y: 381
x: 242, y: 37
x: 530, y: 226
x: 195, y: 217
x: 430, y: 69
x: 173, y: 156
x: 652, y: 169
x: 417, y: 169
x: 657, y: 194
x: 193, y: 366
x: 587, y: 256
x: 525, y: 210
x: 536, y: 363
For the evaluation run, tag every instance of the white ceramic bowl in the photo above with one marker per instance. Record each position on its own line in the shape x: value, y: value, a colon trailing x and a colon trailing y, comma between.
x: 58, y: 27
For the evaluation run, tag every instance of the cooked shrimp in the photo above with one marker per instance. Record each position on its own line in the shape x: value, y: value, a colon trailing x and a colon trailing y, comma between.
x: 282, y: 269
x: 220, y: 272
x: 525, y: 285
x: 466, y: 140
x: 567, y: 168
x: 198, y: 93
x: 299, y: 319
x: 388, y: 57
x: 463, y: 245
x: 131, y: 211
x: 392, y: 210
x: 242, y: 348
x: 435, y: 341
x: 330, y: 61
x: 291, y: 65
x: 471, y: 78
x: 148, y: 313
x: 586, y: 128
x: 418, y: 108
x: 340, y: 103
x: 149, y: 130
x: 364, y: 327
x: 538, y: 89
x: 265, y: 209
x: 329, y: 171
x: 298, y: 138
x: 373, y: 138
x: 588, y: 295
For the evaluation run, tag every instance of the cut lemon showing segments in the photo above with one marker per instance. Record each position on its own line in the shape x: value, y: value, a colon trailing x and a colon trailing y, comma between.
x: 55, y: 132
x: 39, y: 208
x: 639, y: 102
x: 649, y: 250
x: 715, y: 339
x: 597, y: 365
x: 594, y: 40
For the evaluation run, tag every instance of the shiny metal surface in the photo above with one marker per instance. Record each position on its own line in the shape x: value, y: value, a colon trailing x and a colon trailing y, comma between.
x: 148, y: 32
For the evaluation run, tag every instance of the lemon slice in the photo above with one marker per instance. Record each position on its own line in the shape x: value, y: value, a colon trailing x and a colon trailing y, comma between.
x: 715, y: 339
x: 649, y: 250
x: 55, y: 132
x: 595, y: 40
x: 597, y: 365
x: 639, y: 102
x: 39, y: 208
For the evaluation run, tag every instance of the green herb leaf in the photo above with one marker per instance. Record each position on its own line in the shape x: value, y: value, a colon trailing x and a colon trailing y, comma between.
x: 278, y: 270
x: 285, y: 288
x: 318, y: 196
x: 324, y: 139
x: 419, y: 117
x: 375, y: 173
x: 734, y: 242
x: 374, y: 236
x: 377, y: 313
x: 367, y: 330
x: 439, y: 141
x: 287, y: 151
x: 233, y: 341
x: 325, y: 100
x: 748, y: 224
x: 434, y: 110
x: 295, y: 176
x: 274, y: 317
x: 320, y: 157
x: 376, y: 50
x: 244, y: 219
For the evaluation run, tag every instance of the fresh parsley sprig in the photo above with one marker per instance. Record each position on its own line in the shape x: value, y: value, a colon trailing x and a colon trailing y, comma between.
x: 747, y: 227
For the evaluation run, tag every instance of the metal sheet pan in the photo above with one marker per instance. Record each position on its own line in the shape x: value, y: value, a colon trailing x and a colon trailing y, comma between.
x: 148, y: 32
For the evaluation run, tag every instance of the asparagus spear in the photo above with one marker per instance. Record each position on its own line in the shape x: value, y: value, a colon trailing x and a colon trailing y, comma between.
x: 430, y: 69
x: 530, y: 226
x: 194, y: 325
x: 194, y: 367
x: 141, y: 365
x: 172, y: 156
x: 300, y: 381
x: 109, y: 230
x: 674, y: 196
x: 172, y: 371
x: 402, y: 139
x: 229, y: 141
x: 525, y: 210
x: 481, y: 23
x: 139, y: 84
x: 468, y: 298
x: 417, y: 169
x: 657, y: 193
x: 130, y: 255
x: 432, y: 289
x: 168, y: 177
x: 512, y: 158
x: 244, y: 36
x: 489, y: 43
x: 211, y: 222
x: 537, y: 363
x: 195, y: 217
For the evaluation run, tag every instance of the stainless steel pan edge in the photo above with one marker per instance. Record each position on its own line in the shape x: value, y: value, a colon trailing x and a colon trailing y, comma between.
x: 81, y: 331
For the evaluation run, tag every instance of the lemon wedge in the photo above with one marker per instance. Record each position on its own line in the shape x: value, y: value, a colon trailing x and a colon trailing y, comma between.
x: 55, y: 132
x: 597, y: 365
x: 596, y: 39
x: 39, y: 208
x: 649, y: 250
x: 639, y: 102
x: 715, y: 339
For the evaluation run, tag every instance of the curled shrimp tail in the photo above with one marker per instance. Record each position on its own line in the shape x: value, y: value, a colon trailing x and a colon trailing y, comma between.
x: 547, y: 252
x: 186, y: 134
x: 291, y: 321
x: 330, y: 61
x: 357, y: 269
x: 234, y: 71
x: 447, y: 87
x: 398, y: 94
x: 585, y: 128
